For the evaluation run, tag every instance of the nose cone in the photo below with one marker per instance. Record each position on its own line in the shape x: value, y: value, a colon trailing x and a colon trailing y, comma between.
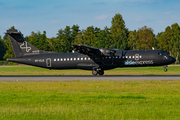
x: 172, y: 59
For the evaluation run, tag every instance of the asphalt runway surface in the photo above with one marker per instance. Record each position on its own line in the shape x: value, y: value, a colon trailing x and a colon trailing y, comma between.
x: 90, y: 78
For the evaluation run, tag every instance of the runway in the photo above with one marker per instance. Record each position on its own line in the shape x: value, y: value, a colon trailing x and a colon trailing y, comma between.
x: 91, y: 78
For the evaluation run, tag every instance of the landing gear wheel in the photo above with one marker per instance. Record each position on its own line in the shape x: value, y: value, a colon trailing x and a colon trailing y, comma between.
x: 95, y: 72
x: 165, y: 70
x: 101, y: 72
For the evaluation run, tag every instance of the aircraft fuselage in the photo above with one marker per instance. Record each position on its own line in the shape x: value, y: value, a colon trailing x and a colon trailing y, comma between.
x: 126, y: 58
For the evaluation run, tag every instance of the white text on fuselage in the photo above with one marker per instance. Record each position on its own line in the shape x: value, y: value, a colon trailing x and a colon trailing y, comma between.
x: 35, y: 51
x: 39, y: 60
x: 144, y: 62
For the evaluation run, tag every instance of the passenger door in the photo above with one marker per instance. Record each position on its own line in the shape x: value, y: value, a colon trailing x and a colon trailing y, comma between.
x: 48, y: 62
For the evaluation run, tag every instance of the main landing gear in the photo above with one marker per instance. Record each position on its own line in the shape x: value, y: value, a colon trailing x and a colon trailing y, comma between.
x: 165, y: 70
x: 96, y: 71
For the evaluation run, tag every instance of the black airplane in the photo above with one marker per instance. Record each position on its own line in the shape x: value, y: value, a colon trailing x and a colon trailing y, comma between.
x: 86, y: 58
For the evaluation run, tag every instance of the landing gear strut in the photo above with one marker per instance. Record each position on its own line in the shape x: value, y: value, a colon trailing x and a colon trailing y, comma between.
x: 165, y: 70
x: 96, y: 71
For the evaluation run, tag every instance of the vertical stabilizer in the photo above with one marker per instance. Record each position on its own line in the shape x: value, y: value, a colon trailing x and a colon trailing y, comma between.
x: 20, y: 46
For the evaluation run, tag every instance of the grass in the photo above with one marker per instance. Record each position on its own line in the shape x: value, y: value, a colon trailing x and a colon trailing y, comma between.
x: 28, y: 70
x: 90, y: 100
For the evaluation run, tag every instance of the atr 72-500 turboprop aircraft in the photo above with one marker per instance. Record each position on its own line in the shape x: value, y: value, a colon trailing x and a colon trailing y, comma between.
x: 87, y: 58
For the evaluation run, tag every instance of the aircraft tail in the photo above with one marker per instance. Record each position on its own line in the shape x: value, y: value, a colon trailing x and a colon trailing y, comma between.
x: 20, y: 46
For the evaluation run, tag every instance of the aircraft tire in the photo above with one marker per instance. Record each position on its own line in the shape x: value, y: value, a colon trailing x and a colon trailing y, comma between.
x: 101, y: 72
x: 94, y: 72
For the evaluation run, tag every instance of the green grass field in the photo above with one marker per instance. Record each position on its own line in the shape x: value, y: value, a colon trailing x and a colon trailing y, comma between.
x: 28, y: 70
x: 109, y: 100
x: 90, y: 100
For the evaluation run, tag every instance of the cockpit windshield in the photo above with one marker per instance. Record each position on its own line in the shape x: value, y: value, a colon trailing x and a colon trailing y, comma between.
x: 165, y: 53
x: 162, y: 53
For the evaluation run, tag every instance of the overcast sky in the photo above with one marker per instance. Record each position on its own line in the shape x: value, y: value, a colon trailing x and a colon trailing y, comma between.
x: 52, y: 15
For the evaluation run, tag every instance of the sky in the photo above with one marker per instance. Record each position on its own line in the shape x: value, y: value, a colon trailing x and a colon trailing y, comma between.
x: 53, y: 15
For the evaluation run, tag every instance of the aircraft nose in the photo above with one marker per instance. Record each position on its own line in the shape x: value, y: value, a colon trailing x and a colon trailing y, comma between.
x: 172, y: 59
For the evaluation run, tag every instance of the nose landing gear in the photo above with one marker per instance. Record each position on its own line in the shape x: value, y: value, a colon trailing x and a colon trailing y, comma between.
x: 165, y: 70
x: 96, y: 71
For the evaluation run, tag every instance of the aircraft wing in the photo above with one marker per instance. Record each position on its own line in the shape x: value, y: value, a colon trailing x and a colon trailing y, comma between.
x: 91, y: 51
x: 87, y: 50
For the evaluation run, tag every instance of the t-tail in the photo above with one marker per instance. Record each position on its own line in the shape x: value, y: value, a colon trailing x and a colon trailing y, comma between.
x: 20, y: 46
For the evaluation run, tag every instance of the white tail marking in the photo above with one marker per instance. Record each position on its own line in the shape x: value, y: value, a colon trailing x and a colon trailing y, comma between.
x: 24, y: 46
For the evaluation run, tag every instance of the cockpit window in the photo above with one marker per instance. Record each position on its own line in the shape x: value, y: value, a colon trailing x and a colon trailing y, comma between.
x: 160, y: 53
x: 165, y: 53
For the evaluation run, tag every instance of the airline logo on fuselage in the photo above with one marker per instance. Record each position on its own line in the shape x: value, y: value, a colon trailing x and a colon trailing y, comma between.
x: 137, y: 61
x: 24, y: 46
x: 145, y: 62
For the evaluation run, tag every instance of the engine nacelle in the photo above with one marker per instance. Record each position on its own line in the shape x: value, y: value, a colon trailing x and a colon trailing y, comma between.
x: 107, y: 52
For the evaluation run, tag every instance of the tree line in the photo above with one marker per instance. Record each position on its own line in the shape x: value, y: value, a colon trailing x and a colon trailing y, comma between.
x: 117, y: 36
